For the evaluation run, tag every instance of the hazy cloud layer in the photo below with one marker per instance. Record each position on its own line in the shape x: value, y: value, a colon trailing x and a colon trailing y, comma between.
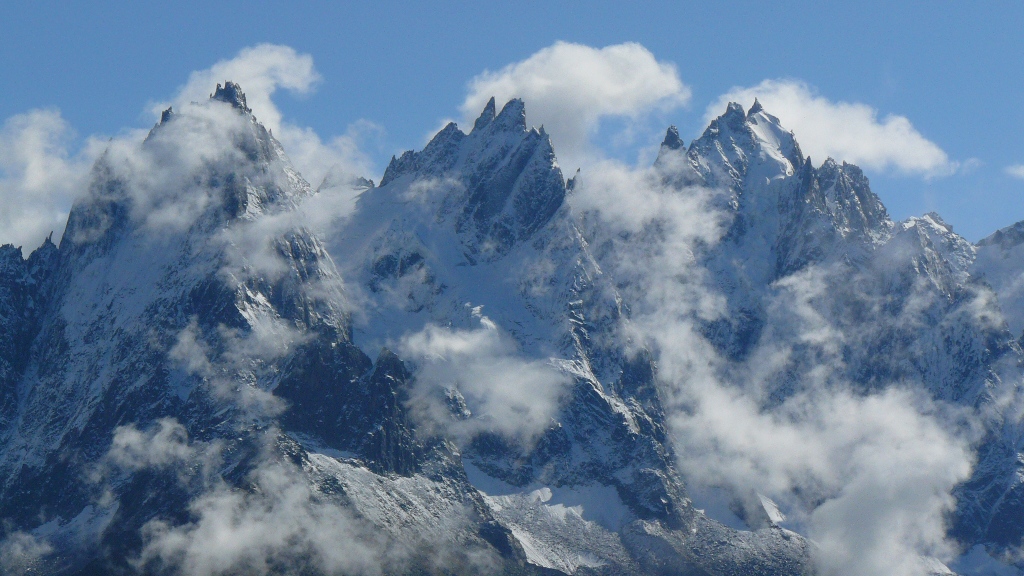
x: 278, y: 520
x: 845, y: 131
x: 568, y: 88
x: 20, y: 552
x: 238, y: 372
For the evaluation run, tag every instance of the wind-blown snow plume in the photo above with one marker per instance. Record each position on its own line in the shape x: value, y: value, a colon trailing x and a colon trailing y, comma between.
x: 846, y: 131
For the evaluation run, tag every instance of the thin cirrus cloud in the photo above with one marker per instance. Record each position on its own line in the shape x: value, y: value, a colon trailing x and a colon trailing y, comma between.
x: 568, y: 88
x: 845, y: 131
x: 1016, y: 171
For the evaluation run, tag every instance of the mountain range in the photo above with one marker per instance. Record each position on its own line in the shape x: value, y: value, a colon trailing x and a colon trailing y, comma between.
x: 731, y: 362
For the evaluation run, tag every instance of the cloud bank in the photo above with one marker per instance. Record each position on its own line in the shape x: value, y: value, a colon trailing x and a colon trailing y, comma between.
x: 845, y: 131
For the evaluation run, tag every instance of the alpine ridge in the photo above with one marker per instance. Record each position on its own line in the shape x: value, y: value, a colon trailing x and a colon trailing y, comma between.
x: 488, y: 369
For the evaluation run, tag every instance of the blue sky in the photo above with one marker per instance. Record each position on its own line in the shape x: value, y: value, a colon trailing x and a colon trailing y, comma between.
x: 951, y: 69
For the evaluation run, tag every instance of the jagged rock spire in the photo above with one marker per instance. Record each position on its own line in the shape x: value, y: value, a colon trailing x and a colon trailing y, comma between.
x: 486, y: 116
x: 232, y: 94
x: 672, y: 140
x: 755, y: 108
x: 512, y: 115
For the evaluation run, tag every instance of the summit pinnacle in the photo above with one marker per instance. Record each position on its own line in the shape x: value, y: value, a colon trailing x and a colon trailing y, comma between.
x: 232, y: 94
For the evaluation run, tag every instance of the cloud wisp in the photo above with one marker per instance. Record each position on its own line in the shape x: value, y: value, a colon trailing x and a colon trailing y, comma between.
x: 846, y: 131
x: 470, y: 381
x: 278, y: 520
x: 1015, y: 170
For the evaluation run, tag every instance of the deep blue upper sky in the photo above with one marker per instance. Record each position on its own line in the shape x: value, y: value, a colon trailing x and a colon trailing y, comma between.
x: 952, y: 69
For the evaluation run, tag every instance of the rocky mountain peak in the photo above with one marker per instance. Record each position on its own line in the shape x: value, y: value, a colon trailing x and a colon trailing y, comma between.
x: 231, y: 93
x: 738, y: 149
x: 486, y: 117
x: 1005, y: 238
x: 502, y: 182
x: 672, y: 140
x: 512, y: 117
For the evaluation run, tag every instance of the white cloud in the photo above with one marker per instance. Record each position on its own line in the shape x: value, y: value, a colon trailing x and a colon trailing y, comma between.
x: 38, y: 177
x: 568, y: 88
x: 1015, y: 170
x: 280, y: 522
x: 503, y: 392
x: 20, y: 553
x: 846, y: 131
x: 234, y: 373
x: 277, y: 519
x: 260, y: 71
x: 165, y: 444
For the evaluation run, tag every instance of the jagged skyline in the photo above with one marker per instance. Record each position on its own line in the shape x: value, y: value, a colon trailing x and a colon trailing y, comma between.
x: 898, y: 65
